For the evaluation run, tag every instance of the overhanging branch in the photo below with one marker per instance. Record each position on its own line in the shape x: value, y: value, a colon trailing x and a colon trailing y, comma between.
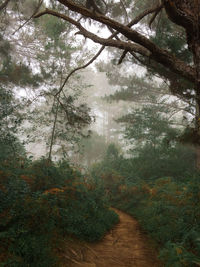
x: 129, y: 46
x: 160, y: 55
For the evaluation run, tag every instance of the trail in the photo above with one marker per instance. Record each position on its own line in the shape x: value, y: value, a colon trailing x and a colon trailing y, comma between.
x: 124, y: 246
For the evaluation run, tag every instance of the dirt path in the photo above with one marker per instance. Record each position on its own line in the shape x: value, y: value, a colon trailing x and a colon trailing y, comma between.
x: 124, y: 246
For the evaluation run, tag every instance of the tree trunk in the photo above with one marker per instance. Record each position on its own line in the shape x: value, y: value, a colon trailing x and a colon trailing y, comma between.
x: 196, y: 55
x: 197, y: 126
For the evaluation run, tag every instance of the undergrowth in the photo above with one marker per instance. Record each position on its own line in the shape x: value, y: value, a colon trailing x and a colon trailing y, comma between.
x: 41, y: 204
x: 170, y: 213
x: 168, y: 208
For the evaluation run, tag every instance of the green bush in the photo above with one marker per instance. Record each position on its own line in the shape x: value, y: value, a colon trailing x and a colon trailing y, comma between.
x: 167, y: 208
x: 39, y: 204
x: 169, y: 211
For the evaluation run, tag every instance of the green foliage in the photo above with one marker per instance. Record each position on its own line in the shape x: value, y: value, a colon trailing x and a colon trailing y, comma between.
x: 10, y: 117
x: 149, y: 125
x: 132, y: 88
x: 10, y: 120
x: 108, y: 171
x: 15, y: 72
x: 87, y: 217
x: 156, y: 151
x: 93, y: 148
x: 40, y: 203
x: 169, y: 211
x: 150, y: 163
x: 110, y: 161
x: 112, y: 152
x: 54, y: 27
x: 172, y: 38
x: 157, y: 184
x: 167, y: 208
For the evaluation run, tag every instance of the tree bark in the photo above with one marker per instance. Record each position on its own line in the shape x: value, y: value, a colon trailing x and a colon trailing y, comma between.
x: 196, y: 53
x: 194, y: 45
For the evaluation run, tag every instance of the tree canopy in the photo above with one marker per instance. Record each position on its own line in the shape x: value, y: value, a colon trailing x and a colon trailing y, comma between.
x: 133, y: 40
x: 170, y: 50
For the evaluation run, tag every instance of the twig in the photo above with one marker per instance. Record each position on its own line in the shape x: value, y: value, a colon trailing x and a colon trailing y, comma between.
x: 34, y: 13
x: 122, y: 57
x: 79, y: 68
x: 144, y: 45
x: 73, y: 252
x: 140, y: 17
x: 123, y: 6
x: 144, y: 14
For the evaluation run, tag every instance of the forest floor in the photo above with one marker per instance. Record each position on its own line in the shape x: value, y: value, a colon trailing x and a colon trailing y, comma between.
x: 124, y: 246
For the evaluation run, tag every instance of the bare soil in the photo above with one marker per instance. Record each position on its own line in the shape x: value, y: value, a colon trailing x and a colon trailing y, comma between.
x: 124, y: 246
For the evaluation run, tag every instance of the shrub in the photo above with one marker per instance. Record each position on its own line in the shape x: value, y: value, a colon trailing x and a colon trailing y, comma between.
x: 41, y: 203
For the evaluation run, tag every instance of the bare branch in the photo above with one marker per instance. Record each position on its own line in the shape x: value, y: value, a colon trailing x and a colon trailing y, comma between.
x: 178, y: 17
x: 144, y: 14
x: 79, y: 68
x: 114, y: 34
x: 122, y: 57
x: 155, y: 15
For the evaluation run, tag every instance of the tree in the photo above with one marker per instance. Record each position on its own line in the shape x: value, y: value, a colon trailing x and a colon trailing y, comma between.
x: 50, y: 58
x: 182, y: 13
x: 10, y: 120
x: 16, y: 74
x: 60, y: 117
x: 137, y: 42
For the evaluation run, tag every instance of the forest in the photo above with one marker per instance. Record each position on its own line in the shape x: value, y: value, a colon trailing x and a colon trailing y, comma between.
x: 99, y: 133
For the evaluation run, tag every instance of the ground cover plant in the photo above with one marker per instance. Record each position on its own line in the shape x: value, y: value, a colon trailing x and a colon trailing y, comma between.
x: 159, y: 185
x: 169, y: 212
x: 167, y: 209
x: 42, y: 204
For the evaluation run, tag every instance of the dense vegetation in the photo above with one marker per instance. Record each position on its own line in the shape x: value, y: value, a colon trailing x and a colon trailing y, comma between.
x: 45, y: 202
x: 42, y: 204
x: 158, y: 185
